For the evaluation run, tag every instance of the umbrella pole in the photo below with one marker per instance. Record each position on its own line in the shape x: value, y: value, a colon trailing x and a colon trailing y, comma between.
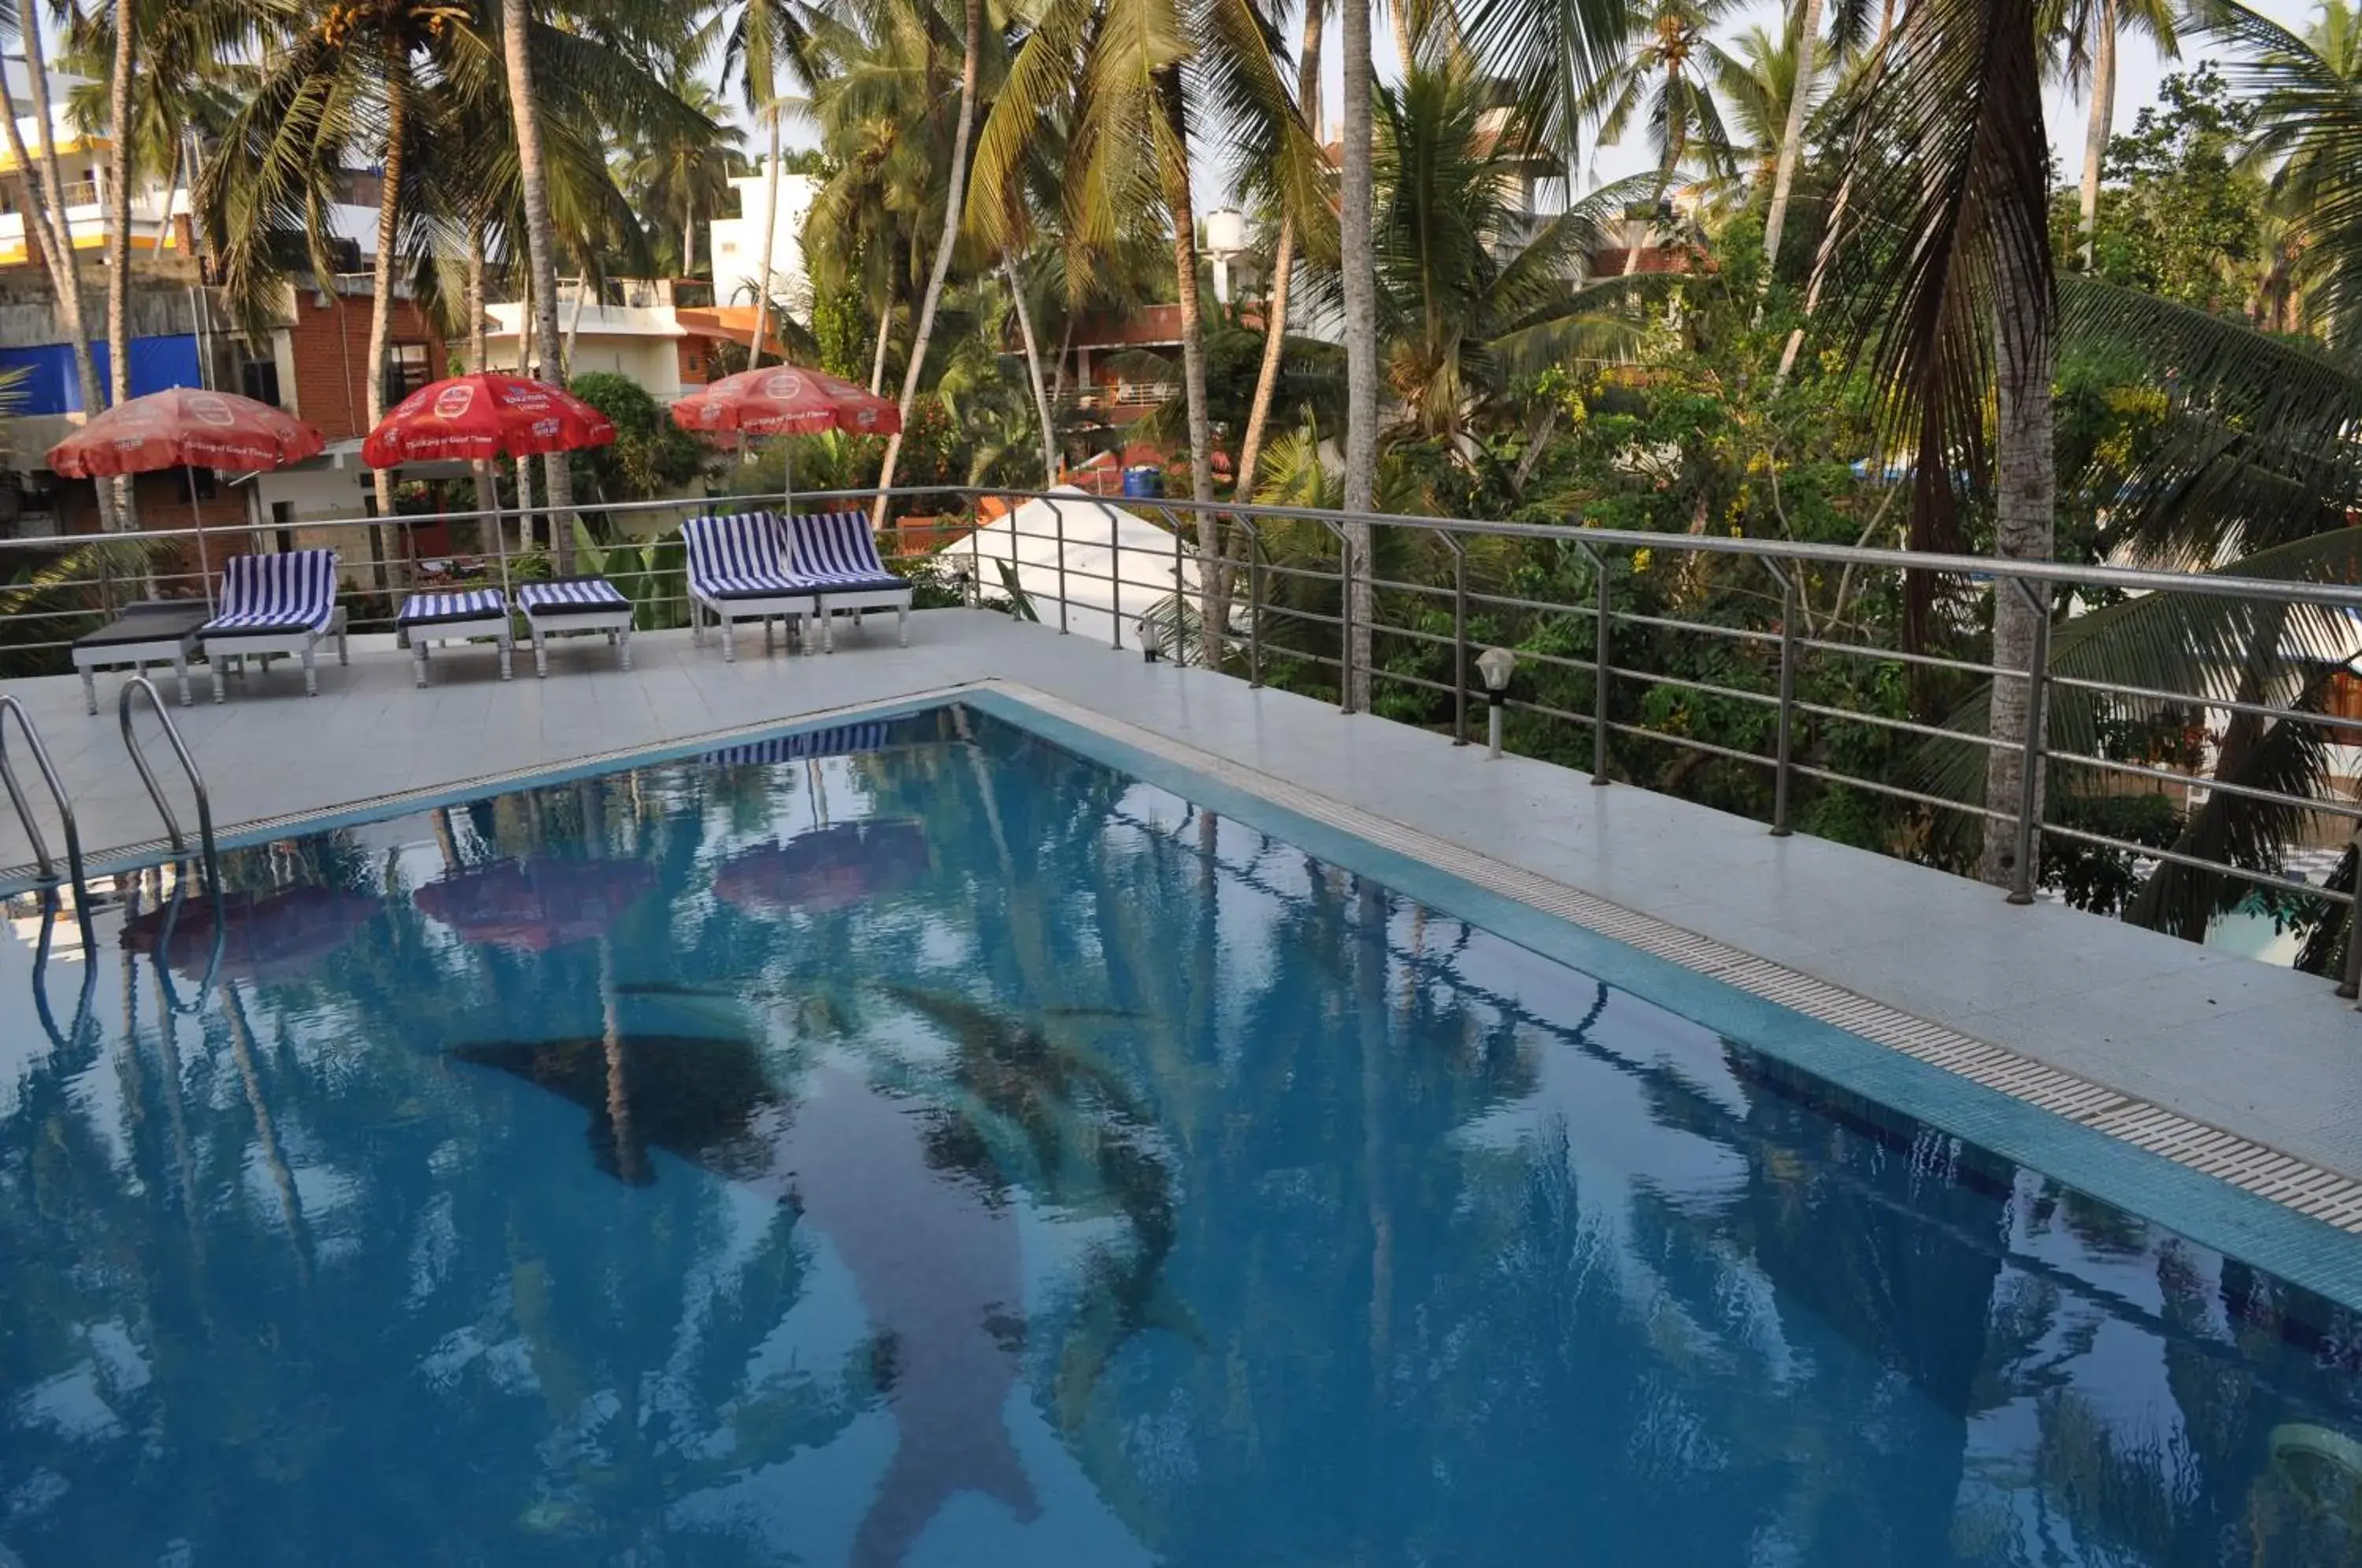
x: 205, y: 563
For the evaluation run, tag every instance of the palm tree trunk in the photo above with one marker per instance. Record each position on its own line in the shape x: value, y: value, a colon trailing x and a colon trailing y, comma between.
x: 389, y: 234
x: 955, y: 204
x: 2095, y: 137
x: 1356, y: 218
x: 118, y: 232
x: 688, y: 234
x: 1033, y: 369
x: 2024, y: 524
x: 487, y: 485
x: 50, y: 227
x: 878, y: 359
x: 574, y: 317
x: 770, y: 231
x: 1066, y: 352
x: 1827, y: 253
x: 1784, y: 179
x: 1181, y: 208
x: 541, y: 247
x: 1282, y: 273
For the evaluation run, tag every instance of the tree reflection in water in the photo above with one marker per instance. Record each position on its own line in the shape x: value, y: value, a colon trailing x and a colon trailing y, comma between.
x: 1015, y: 1159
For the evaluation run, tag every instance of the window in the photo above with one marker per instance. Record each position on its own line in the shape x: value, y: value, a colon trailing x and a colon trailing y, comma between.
x: 259, y: 379
x: 406, y: 370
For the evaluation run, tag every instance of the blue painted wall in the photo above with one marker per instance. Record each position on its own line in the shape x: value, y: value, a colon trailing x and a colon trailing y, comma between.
x: 50, y: 385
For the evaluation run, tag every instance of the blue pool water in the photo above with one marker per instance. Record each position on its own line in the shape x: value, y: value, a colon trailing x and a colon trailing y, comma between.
x: 922, y: 1145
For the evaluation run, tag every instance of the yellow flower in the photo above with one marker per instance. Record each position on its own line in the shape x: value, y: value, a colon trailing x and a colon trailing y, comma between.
x: 1640, y: 561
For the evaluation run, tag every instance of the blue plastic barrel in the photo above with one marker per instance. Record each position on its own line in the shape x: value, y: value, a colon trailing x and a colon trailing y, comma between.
x: 1143, y: 482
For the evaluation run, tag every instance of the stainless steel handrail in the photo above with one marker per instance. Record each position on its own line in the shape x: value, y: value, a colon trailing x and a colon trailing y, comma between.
x: 139, y: 685
x: 41, y: 858
x: 83, y: 1030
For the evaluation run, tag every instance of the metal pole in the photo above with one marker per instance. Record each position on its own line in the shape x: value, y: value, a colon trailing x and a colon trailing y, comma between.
x: 1255, y: 603
x: 1344, y: 624
x: 1059, y: 513
x: 1599, y: 688
x: 1460, y: 653
x: 1788, y: 651
x: 1115, y: 573
x: 2350, y: 984
x: 976, y: 553
x: 197, y: 518
x: 2029, y: 791
x: 1180, y: 593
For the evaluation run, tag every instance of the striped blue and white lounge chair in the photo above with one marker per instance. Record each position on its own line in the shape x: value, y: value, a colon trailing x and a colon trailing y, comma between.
x: 454, y: 617
x: 737, y: 570
x: 275, y: 604
x: 837, y: 554
x: 562, y: 604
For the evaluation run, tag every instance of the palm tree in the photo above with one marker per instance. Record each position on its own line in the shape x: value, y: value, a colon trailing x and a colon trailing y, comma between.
x: 767, y: 38
x: 1957, y: 297
x: 1463, y: 308
x: 1282, y: 266
x: 541, y: 246
x: 1357, y: 262
x: 955, y: 200
x: 679, y: 169
x: 2307, y: 90
x: 1760, y: 88
x: 1802, y: 43
x: 2092, y: 30
x: 1668, y: 81
x: 46, y: 224
x: 370, y: 77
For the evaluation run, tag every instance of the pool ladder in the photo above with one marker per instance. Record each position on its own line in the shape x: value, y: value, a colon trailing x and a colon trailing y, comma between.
x: 42, y: 860
x: 140, y: 686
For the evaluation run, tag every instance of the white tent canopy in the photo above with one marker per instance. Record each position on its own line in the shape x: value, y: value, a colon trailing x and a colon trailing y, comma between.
x: 1116, y: 564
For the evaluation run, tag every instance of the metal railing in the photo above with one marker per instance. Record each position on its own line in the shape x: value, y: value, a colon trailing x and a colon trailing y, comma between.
x: 1405, y: 637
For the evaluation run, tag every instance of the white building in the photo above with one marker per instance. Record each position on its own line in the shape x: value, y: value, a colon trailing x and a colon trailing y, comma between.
x: 634, y: 331
x: 735, y: 244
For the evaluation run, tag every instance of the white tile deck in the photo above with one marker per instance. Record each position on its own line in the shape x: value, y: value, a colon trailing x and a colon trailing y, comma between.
x: 2271, y: 1056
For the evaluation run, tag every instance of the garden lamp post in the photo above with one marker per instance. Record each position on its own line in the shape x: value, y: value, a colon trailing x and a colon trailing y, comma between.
x: 1496, y: 666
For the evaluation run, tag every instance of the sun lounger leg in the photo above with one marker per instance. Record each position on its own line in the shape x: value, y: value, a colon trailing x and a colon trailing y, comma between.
x: 180, y: 669
x: 766, y: 633
x: 729, y: 640
x: 90, y: 690
x: 310, y: 673
x: 624, y: 646
x: 540, y: 655
x: 903, y: 623
x: 418, y: 659
x: 827, y: 631
x: 508, y: 649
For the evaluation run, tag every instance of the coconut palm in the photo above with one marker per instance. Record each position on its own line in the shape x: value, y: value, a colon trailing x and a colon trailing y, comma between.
x: 2307, y: 90
x: 2090, y: 30
x: 684, y: 169
x: 47, y: 225
x: 1282, y: 266
x: 972, y: 45
x: 1461, y: 312
x: 1955, y: 297
x: 1667, y: 83
x: 768, y: 39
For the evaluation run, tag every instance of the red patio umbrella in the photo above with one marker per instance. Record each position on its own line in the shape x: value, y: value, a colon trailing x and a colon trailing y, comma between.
x: 538, y: 903
x: 480, y: 417
x: 827, y: 869
x: 486, y: 416
x: 266, y: 937
x: 186, y: 427
x: 786, y: 399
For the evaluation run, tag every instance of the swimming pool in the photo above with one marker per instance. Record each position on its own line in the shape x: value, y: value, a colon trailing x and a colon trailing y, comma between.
x: 913, y: 1141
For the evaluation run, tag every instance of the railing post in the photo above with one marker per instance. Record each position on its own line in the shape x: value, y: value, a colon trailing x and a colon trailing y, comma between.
x: 1599, y: 682
x: 1459, y: 640
x: 1344, y: 623
x: 2029, y: 785
x: 1115, y: 573
x: 1255, y: 602
x: 1783, y: 770
x: 1180, y: 593
x: 2349, y: 985
x: 1058, y: 511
